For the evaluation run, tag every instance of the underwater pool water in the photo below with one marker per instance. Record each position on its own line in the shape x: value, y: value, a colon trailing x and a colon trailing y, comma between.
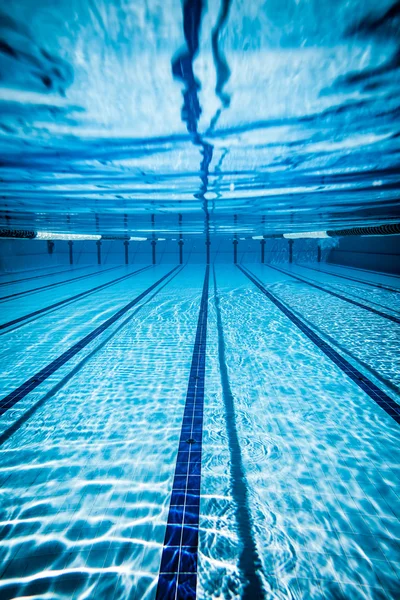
x: 230, y: 430
x: 196, y: 423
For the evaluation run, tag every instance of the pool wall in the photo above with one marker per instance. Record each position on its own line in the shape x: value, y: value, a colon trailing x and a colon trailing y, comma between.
x: 380, y: 253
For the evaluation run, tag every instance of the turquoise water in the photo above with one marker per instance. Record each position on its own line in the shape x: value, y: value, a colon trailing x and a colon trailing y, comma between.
x: 299, y: 488
x: 284, y: 114
x: 195, y: 428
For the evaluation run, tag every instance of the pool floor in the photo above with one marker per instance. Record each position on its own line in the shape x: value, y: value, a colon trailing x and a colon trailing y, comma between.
x: 200, y: 432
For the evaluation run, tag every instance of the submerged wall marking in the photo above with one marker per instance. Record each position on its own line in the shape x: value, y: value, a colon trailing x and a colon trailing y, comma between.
x: 178, y: 569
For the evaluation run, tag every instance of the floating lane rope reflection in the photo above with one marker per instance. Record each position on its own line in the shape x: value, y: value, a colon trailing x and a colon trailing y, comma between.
x: 178, y: 570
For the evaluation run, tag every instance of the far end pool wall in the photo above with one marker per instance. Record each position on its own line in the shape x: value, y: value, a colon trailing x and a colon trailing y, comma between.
x: 374, y: 252
x: 377, y: 253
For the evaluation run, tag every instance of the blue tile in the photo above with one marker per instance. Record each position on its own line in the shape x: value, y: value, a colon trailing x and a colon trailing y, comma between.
x: 167, y: 586
x: 173, y: 535
x: 187, y: 584
x: 170, y: 559
x: 188, y: 562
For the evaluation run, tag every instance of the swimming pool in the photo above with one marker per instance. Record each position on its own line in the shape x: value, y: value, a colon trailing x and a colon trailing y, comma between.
x: 221, y: 430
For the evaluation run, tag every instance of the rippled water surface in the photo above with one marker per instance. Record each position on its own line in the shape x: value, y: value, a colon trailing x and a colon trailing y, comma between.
x: 300, y: 467
x: 283, y: 110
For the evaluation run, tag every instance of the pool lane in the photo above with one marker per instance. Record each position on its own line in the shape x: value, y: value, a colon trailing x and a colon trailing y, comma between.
x: 366, y: 338
x: 86, y: 482
x: 29, y: 349
x: 39, y: 377
x: 320, y: 458
x: 326, y: 288
x: 381, y: 275
x: 14, y: 294
x: 31, y: 270
x: 375, y: 295
x: 17, y: 308
x: 391, y: 407
x: 51, y: 273
x: 36, y: 313
x: 340, y: 273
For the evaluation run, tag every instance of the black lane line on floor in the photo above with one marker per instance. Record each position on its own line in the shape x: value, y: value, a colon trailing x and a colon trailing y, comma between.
x: 23, y: 390
x: 43, y: 275
x: 343, y: 351
x: 51, y: 285
x: 33, y: 270
x: 68, y: 300
x: 178, y: 569
x: 374, y: 285
x: 319, y: 287
x: 383, y: 400
x: 339, y: 283
x: 249, y: 561
x: 33, y: 409
x: 363, y: 270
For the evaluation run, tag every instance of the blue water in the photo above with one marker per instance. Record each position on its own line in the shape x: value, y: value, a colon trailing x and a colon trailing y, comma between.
x: 282, y: 113
x: 214, y: 431
x: 299, y: 465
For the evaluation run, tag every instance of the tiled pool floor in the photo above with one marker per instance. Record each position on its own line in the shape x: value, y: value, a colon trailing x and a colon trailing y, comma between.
x: 299, y: 493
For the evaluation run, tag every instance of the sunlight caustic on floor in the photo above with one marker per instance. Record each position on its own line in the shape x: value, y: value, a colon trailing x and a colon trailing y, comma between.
x: 299, y: 493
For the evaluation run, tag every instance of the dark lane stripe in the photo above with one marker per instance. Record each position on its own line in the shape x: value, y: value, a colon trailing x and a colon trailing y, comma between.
x: 44, y: 275
x: 50, y: 285
x: 319, y: 287
x: 11, y: 399
x: 374, y: 285
x: 33, y: 270
x: 249, y: 560
x: 178, y: 569
x: 68, y: 300
x: 35, y: 407
x: 377, y: 395
x: 314, y: 283
x: 383, y: 273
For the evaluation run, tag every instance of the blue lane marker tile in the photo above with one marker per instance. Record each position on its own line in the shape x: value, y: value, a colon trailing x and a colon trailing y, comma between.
x: 178, y: 569
x: 383, y: 400
x: 323, y: 289
x: 9, y: 401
